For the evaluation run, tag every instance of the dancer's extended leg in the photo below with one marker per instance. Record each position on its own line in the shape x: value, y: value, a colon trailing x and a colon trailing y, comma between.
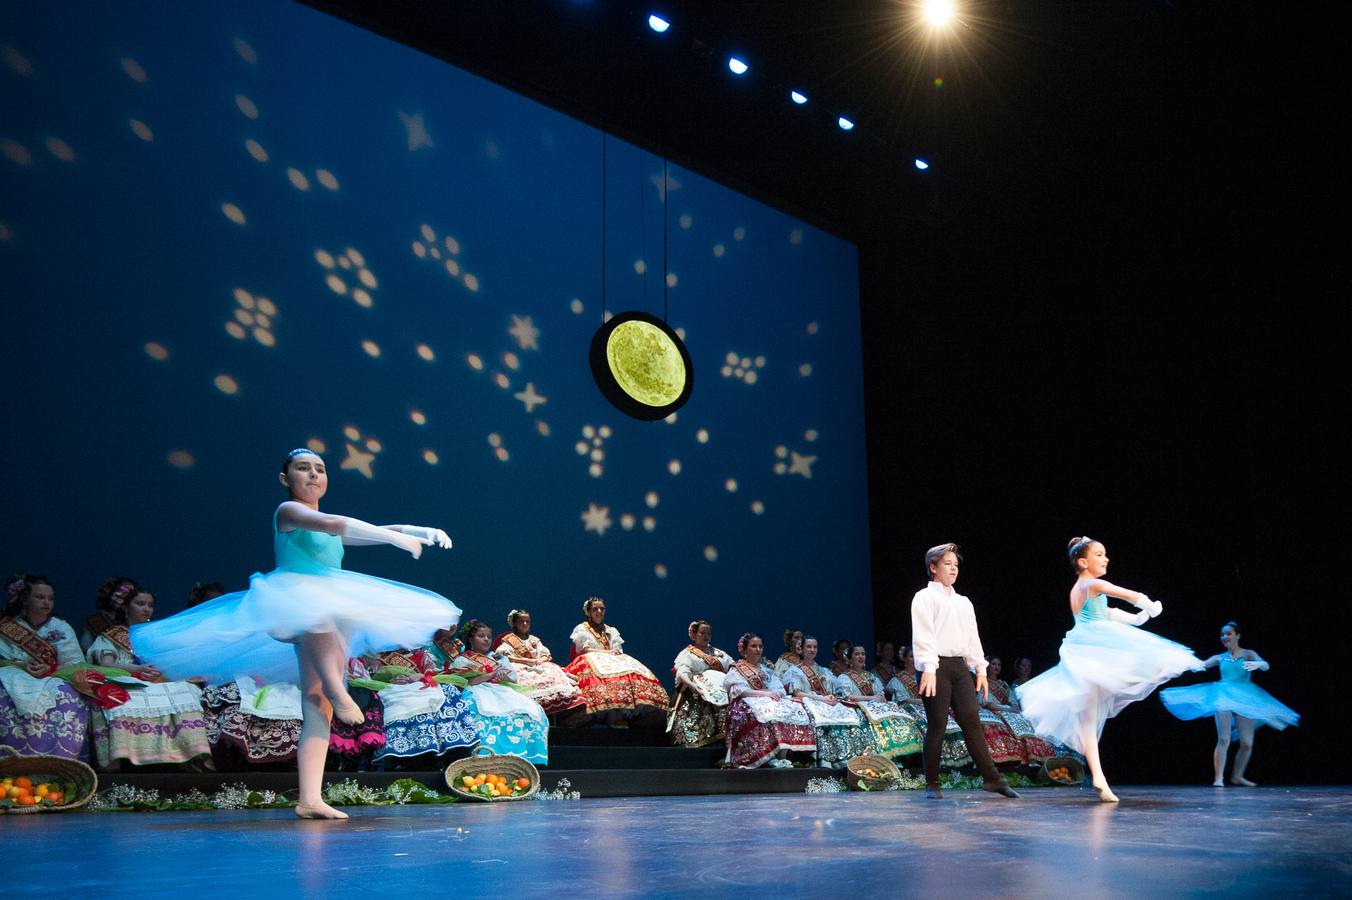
x: 329, y: 651
x: 1223, y: 720
x: 1090, y: 747
x: 1244, y: 752
x: 314, y: 734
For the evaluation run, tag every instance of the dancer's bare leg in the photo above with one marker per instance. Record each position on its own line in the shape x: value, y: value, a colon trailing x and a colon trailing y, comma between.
x: 1089, y: 741
x: 1244, y: 752
x: 314, y: 735
x: 1223, y: 719
x: 329, y: 654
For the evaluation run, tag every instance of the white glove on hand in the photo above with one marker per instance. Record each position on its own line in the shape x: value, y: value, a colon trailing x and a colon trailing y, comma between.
x: 1119, y: 615
x: 429, y: 535
x: 1154, y: 607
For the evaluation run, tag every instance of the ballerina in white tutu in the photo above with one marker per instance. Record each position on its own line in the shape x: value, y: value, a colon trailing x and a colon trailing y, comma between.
x: 1107, y: 662
x: 303, y: 620
x: 1235, y: 701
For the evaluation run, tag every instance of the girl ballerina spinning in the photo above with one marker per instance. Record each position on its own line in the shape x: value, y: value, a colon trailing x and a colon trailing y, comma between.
x: 1107, y: 662
x: 1235, y: 701
x: 304, y: 619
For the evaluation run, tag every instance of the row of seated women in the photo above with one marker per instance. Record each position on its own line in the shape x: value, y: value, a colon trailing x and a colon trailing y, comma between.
x: 462, y: 690
x: 767, y: 713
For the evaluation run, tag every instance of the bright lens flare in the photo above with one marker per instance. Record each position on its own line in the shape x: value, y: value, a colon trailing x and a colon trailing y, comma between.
x: 938, y: 12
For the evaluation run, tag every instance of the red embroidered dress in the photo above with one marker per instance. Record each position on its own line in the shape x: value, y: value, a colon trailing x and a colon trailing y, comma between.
x: 610, y: 680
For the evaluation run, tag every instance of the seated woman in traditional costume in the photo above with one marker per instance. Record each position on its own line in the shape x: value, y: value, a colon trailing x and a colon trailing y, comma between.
x: 352, y: 747
x: 507, y: 720
x: 764, y: 726
x: 1023, y: 671
x: 423, y: 718
x: 840, y: 656
x: 162, y: 722
x: 793, y: 651
x: 841, y: 731
x: 904, y: 689
x: 40, y: 715
x: 616, y: 688
x: 885, y: 662
x: 1002, y: 703
x: 112, y: 595
x: 550, y: 686
x: 894, y: 727
x: 699, y: 708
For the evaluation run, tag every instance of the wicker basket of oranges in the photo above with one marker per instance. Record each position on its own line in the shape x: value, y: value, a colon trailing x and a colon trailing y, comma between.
x: 30, y: 784
x: 486, y: 775
x: 871, y: 773
x: 1064, y: 770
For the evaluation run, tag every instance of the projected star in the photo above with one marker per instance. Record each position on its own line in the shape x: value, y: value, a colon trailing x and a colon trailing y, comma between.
x: 530, y: 398
x: 525, y: 332
x: 664, y: 185
x: 596, y: 518
x: 417, y: 131
x: 801, y: 465
x: 357, y: 459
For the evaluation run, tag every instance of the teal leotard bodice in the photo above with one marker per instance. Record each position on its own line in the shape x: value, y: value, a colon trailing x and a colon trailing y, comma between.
x: 1095, y: 608
x: 1233, y: 670
x: 306, y: 551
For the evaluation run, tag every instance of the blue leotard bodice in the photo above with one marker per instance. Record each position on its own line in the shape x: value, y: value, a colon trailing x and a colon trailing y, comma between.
x: 1095, y: 608
x: 306, y: 551
x: 1233, y: 669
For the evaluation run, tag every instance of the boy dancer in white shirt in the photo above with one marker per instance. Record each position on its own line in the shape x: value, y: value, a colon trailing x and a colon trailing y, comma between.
x: 947, y: 649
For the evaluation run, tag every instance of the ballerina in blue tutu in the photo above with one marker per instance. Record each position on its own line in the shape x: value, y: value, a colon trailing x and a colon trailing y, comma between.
x: 1235, y: 701
x: 1107, y: 662
x: 302, y: 621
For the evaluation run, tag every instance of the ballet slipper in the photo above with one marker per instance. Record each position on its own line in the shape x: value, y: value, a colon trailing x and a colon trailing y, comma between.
x: 1218, y: 783
x: 345, y: 709
x: 319, y: 810
x: 1105, y: 794
x: 1241, y: 781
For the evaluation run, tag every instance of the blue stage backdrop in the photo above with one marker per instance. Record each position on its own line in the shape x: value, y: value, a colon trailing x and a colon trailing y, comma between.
x: 227, y: 230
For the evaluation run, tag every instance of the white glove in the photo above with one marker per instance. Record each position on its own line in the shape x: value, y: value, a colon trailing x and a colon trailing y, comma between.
x: 356, y: 528
x: 429, y: 535
x: 1118, y: 615
x: 1153, y: 607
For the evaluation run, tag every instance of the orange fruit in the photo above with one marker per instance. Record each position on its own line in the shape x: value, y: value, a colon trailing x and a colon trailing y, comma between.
x: 23, y: 781
x: 523, y: 783
x: 14, y: 792
x: 480, y: 778
x: 56, y: 797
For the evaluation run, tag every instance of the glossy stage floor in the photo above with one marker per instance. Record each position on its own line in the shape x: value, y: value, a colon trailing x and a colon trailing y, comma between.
x: 1056, y: 842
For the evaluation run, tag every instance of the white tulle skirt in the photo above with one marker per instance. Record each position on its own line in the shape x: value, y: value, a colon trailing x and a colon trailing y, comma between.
x: 1243, y: 698
x: 1104, y: 666
x: 253, y: 632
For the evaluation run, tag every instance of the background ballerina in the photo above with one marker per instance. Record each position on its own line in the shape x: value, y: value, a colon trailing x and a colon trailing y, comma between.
x: 1237, y: 703
x: 303, y: 620
x: 1107, y: 662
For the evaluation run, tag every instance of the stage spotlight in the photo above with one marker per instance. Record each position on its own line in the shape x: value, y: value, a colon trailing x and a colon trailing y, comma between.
x: 938, y: 12
x: 798, y: 97
x: 845, y: 124
x: 921, y: 164
x: 736, y: 66
x: 658, y: 24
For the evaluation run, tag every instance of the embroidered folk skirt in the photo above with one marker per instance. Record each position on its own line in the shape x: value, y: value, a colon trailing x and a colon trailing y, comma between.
x: 752, y: 742
x: 610, y: 681
x: 231, y: 731
x: 694, y: 721
x: 60, y: 731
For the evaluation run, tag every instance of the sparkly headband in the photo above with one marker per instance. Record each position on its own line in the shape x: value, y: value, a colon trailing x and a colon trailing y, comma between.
x: 301, y: 451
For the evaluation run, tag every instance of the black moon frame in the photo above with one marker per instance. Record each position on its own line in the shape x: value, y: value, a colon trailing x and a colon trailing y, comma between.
x: 611, y: 389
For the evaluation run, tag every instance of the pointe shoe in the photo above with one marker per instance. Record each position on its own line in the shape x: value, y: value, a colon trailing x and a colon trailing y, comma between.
x: 1105, y: 794
x: 319, y: 811
x: 348, y: 712
x: 1218, y: 783
x: 933, y: 792
x: 1002, y: 788
x: 1242, y: 782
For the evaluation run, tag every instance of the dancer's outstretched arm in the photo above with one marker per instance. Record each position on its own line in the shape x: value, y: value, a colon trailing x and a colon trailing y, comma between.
x: 425, y: 533
x: 1135, y: 598
x: 354, y: 532
x: 1254, y: 662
